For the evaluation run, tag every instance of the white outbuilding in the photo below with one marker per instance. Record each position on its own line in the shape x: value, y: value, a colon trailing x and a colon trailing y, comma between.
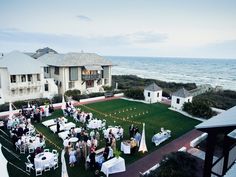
x: 180, y: 97
x: 153, y: 93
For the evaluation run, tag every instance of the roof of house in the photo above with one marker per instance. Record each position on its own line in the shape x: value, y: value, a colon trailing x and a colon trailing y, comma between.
x: 183, y: 93
x: 225, y: 119
x: 74, y: 59
x: 20, y: 63
x: 153, y: 87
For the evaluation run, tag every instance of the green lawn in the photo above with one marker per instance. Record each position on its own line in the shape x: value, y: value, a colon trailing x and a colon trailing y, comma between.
x: 117, y: 112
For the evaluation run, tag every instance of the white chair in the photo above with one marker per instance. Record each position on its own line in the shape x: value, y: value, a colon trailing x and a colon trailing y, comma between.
x: 29, y: 166
x: 28, y: 159
x: 46, y: 150
x: 38, y: 171
x: 22, y: 149
x: 46, y: 167
x: 31, y: 149
x: 55, y: 165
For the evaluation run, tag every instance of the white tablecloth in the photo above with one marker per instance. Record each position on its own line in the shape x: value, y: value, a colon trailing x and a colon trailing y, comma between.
x: 51, y: 122
x: 43, y: 158
x: 113, y: 166
x: 64, y: 134
x: 161, y: 137
x: 93, y: 124
x: 125, y: 148
x: 116, y: 132
x: 66, y: 126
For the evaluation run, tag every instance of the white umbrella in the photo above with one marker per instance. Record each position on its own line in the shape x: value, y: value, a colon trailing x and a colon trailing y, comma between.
x: 63, y: 105
x: 10, y: 111
x: 143, y: 146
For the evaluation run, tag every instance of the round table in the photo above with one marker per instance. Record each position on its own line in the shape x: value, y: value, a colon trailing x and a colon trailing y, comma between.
x: 93, y: 124
x: 43, y: 158
x: 73, y: 140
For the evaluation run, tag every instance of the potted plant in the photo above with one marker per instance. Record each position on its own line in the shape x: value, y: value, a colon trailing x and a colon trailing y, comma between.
x: 117, y: 153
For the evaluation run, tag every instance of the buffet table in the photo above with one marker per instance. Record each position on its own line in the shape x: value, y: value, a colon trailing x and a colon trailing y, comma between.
x: 125, y: 147
x: 114, y: 165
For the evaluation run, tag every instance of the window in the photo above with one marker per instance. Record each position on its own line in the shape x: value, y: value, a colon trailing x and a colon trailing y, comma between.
x: 89, y: 84
x: 177, y: 100
x: 28, y: 90
x: 148, y: 94
x: 73, y: 73
x: 13, y: 92
x: 158, y: 94
x: 46, y: 87
x: 38, y: 77
x: 56, y: 70
x: 13, y: 78
x: 23, y: 78
x: 21, y: 91
x: 29, y: 77
x: 46, y: 69
x: 71, y: 85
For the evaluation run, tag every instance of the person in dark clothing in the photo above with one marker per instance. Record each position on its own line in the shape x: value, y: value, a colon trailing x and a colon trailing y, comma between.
x: 51, y: 108
x: 14, y: 140
x: 26, y: 130
x: 58, y: 127
x: 92, y: 162
x: 106, y: 153
x: 20, y: 131
x: 131, y: 130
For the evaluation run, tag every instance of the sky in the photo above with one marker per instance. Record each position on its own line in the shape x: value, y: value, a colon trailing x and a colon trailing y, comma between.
x: 165, y: 28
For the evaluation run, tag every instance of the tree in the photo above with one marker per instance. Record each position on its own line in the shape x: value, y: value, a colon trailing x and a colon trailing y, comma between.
x: 176, y: 164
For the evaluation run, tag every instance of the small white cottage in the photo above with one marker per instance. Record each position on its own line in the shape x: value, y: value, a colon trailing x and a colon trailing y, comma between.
x: 179, y: 97
x: 153, y: 93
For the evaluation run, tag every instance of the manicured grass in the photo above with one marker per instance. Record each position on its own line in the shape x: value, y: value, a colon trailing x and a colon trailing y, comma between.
x: 121, y: 112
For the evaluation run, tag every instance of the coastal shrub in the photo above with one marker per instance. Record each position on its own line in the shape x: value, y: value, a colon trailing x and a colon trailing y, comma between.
x: 133, y: 82
x: 222, y: 99
x: 107, y: 88
x: 57, y: 98
x: 134, y: 94
x: 199, y: 109
x: 72, y: 93
x: 176, y: 164
x: 4, y: 107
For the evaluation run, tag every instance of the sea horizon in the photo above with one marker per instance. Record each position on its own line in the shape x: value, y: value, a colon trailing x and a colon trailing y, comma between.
x: 216, y: 72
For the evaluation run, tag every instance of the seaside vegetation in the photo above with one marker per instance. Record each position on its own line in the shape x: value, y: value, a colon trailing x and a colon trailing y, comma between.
x: 133, y: 82
x: 224, y: 99
x: 199, y: 109
x: 134, y: 93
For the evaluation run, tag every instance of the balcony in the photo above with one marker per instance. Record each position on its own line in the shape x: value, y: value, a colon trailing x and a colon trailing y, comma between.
x: 87, y: 77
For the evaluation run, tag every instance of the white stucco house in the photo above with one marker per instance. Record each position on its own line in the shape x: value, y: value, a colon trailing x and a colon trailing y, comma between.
x: 21, y: 78
x: 179, y: 97
x: 87, y: 72
x: 153, y: 93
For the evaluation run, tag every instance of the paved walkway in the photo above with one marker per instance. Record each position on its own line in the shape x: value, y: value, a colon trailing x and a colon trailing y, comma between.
x: 155, y: 157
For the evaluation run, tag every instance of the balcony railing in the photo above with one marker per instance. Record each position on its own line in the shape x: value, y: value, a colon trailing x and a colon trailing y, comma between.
x: 87, y: 77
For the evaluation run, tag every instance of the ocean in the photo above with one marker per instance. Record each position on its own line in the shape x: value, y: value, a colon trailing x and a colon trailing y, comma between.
x: 217, y: 72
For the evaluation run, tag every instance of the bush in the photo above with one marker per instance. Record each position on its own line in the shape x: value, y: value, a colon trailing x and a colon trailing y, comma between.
x: 199, y: 109
x: 57, y: 99
x: 135, y: 94
x: 107, y: 88
x: 72, y: 93
x: 176, y: 164
x: 4, y: 107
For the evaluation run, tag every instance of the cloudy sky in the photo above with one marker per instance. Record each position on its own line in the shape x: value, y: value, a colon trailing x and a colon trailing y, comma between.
x: 181, y: 28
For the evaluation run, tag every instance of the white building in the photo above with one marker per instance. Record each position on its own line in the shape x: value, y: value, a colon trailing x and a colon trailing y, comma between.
x: 21, y: 78
x: 153, y: 93
x: 87, y: 72
x: 180, y: 97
